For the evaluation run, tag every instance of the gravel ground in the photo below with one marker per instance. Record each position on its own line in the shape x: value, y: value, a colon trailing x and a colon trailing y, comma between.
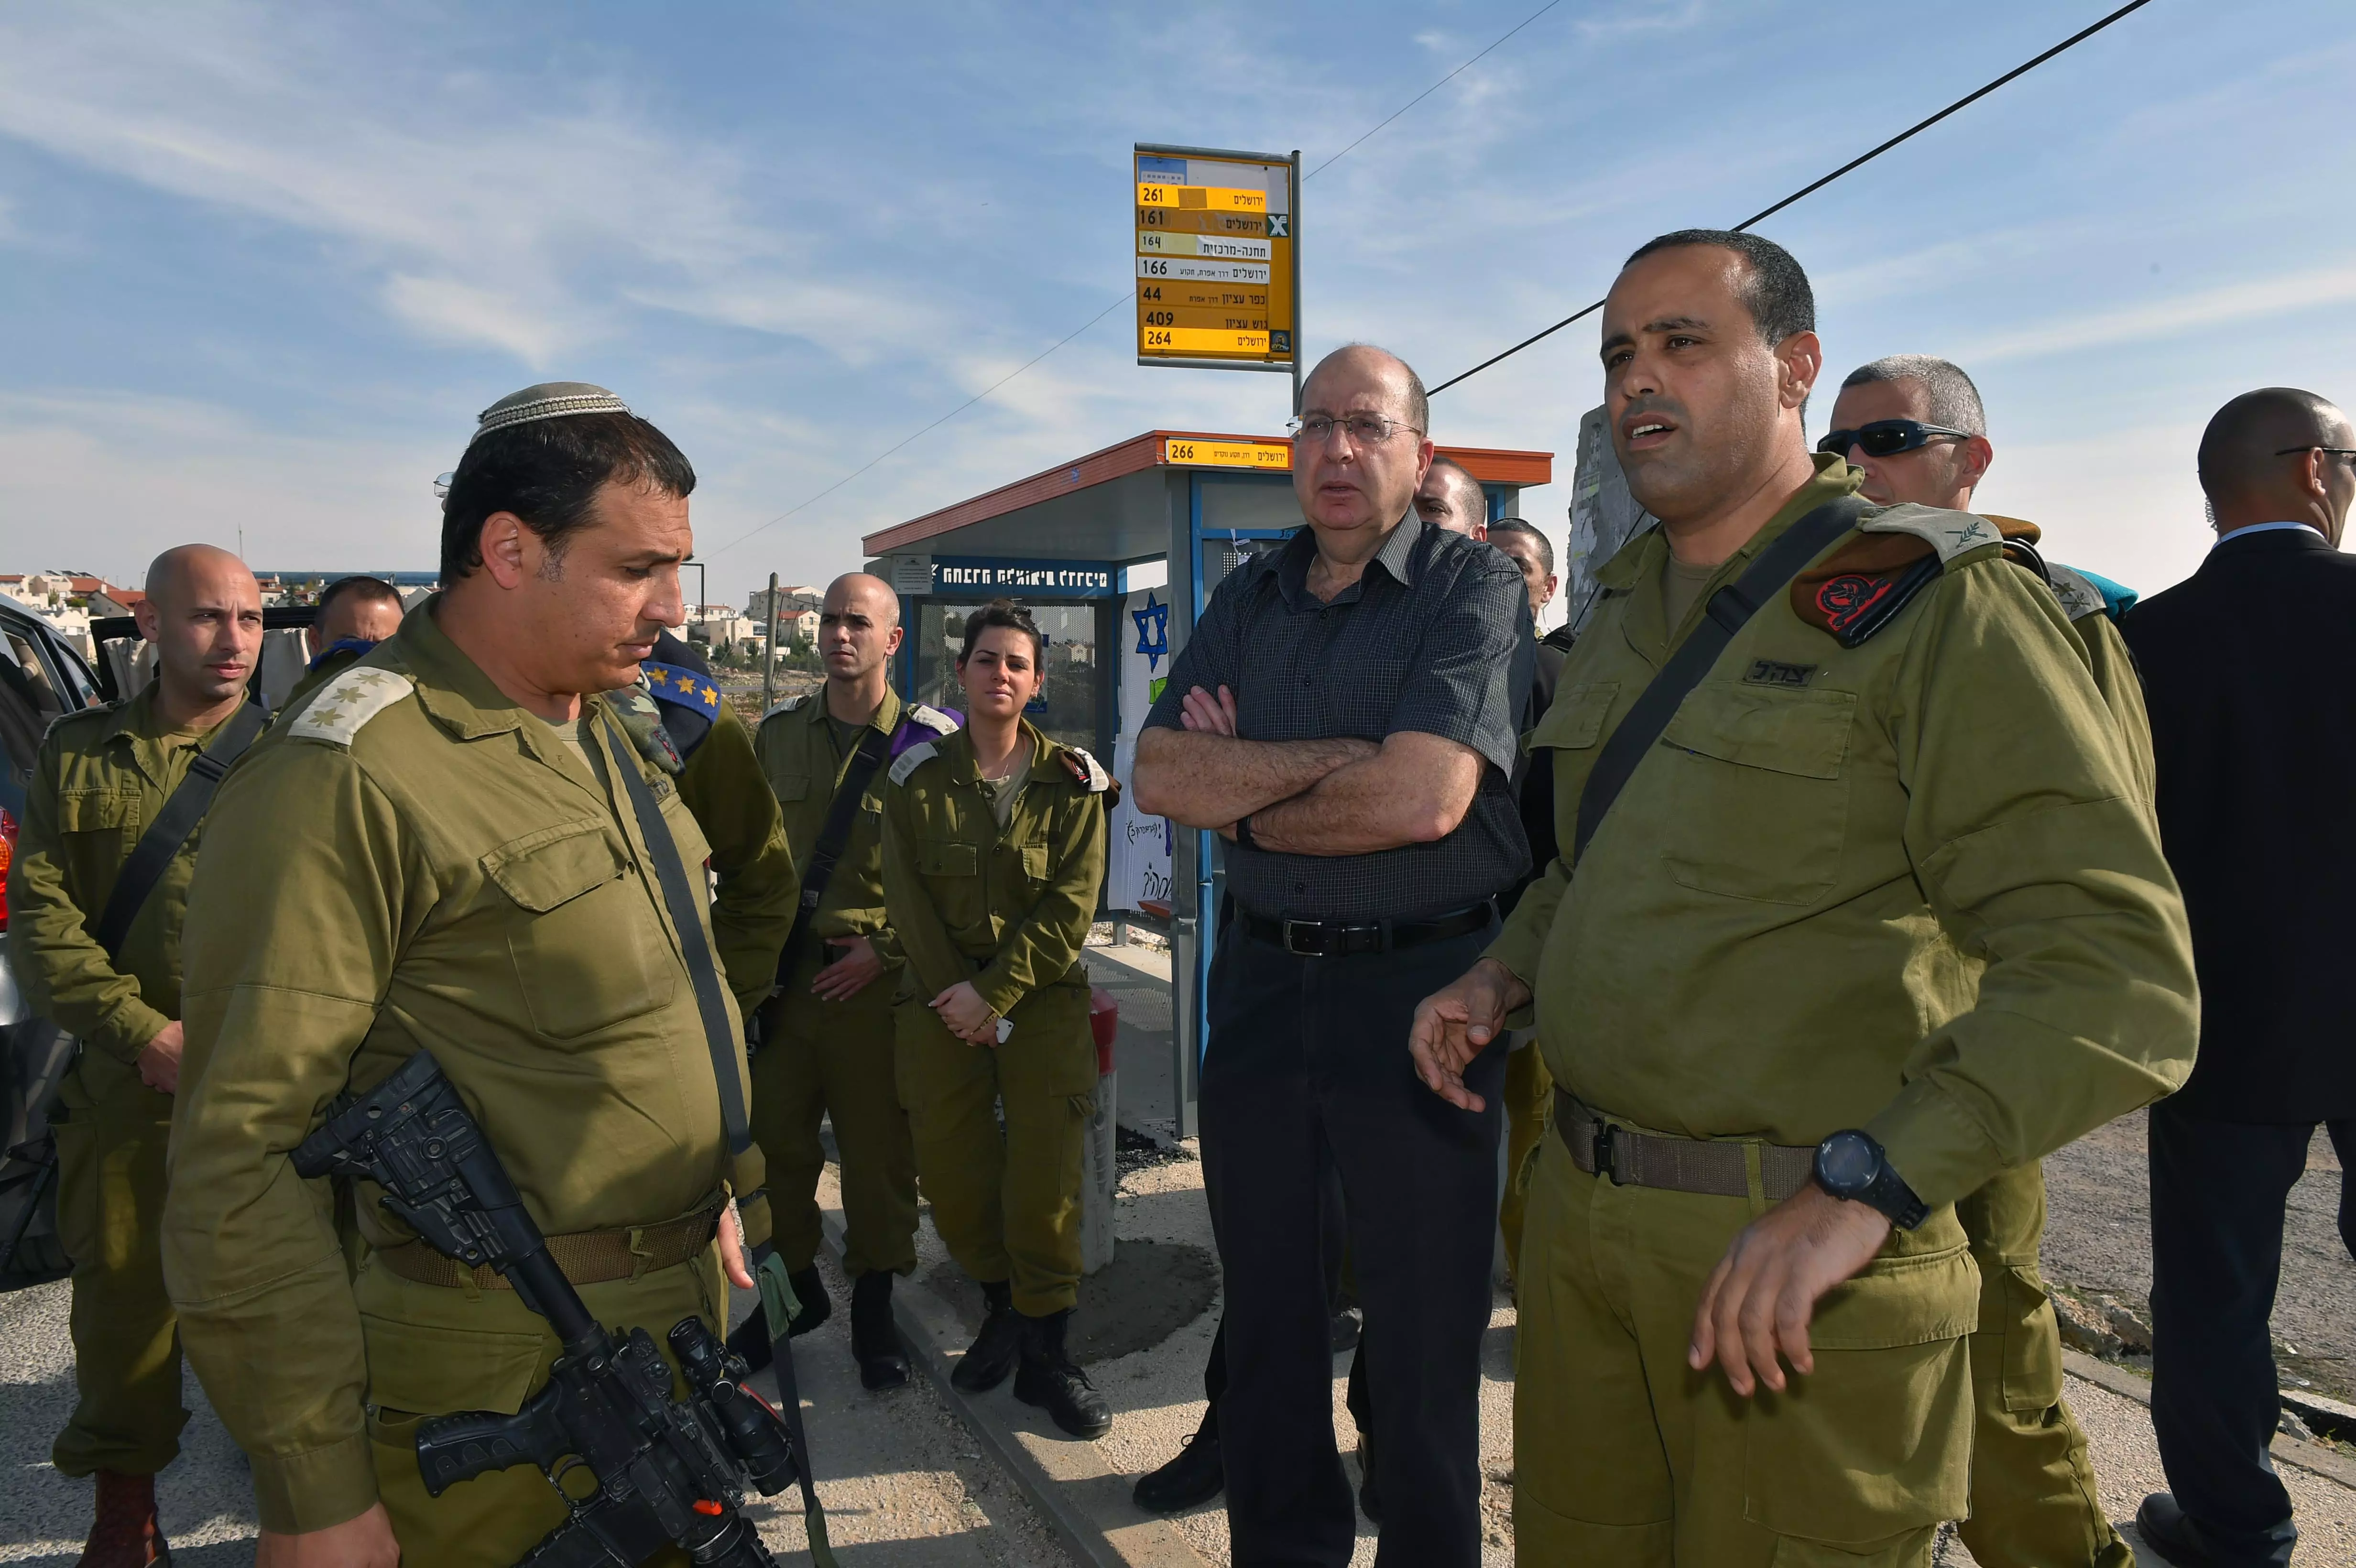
x: 902, y: 1480
x: 2098, y: 1237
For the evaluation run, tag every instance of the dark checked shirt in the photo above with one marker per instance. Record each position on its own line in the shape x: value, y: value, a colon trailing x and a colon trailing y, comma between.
x: 1432, y: 638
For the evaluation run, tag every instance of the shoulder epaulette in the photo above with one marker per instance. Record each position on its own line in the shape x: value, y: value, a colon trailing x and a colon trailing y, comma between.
x: 1085, y: 771
x: 788, y: 706
x: 1861, y: 586
x: 911, y: 760
x: 96, y: 711
x: 1951, y: 534
x: 931, y: 718
x: 338, y: 708
x: 2079, y: 597
x: 681, y: 687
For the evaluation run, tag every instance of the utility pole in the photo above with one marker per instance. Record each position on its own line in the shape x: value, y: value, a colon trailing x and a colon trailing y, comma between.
x: 769, y: 652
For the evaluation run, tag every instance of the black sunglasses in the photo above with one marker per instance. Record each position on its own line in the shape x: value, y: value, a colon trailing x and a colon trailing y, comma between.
x: 1886, y: 437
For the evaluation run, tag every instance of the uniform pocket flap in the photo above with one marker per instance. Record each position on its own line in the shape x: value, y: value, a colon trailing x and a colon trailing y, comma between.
x: 1800, y: 732
x: 1913, y: 1300
x: 1035, y: 861
x: 791, y: 788
x: 1576, y: 718
x: 939, y: 857
x: 553, y: 866
x: 83, y: 810
x: 433, y: 1372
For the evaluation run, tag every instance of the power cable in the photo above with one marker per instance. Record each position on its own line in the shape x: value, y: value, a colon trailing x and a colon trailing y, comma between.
x: 1125, y: 299
x: 1858, y: 162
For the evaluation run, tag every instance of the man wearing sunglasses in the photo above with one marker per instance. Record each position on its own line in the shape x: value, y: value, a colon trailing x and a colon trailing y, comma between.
x: 1913, y: 424
x: 2255, y: 739
x: 1870, y: 912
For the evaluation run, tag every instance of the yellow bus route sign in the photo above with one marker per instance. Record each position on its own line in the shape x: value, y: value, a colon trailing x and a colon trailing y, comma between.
x: 1218, y: 270
x: 1188, y: 452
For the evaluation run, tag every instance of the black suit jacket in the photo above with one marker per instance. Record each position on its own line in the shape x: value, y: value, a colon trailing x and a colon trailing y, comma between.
x: 2247, y: 667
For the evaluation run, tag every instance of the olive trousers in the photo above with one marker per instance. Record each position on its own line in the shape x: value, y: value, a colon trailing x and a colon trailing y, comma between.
x: 1625, y: 1455
x: 1006, y: 1203
x: 823, y: 1060
x: 128, y: 1414
x: 433, y: 1350
x: 2033, y: 1498
x: 1529, y: 1112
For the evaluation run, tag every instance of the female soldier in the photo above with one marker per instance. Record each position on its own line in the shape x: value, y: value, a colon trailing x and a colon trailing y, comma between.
x: 993, y: 852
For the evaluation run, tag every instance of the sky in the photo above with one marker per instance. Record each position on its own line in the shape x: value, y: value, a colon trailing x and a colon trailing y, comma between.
x: 261, y: 265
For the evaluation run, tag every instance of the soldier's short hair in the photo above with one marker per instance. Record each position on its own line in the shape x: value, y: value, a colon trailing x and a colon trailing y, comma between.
x: 1775, y: 289
x: 1953, y: 400
x: 1520, y: 528
x: 361, y: 588
x: 548, y: 471
x: 1469, y: 487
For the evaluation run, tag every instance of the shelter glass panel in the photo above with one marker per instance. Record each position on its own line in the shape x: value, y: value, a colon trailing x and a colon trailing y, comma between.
x: 1066, y: 708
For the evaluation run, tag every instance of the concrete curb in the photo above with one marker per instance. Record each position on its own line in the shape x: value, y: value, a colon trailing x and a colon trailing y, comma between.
x: 1083, y: 1500
x: 2312, y: 1457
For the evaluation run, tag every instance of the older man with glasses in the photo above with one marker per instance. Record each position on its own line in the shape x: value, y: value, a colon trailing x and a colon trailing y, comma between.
x: 1345, y: 715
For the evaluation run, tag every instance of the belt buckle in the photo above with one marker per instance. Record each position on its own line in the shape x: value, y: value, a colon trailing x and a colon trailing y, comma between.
x: 1292, y: 943
x: 1602, y: 1152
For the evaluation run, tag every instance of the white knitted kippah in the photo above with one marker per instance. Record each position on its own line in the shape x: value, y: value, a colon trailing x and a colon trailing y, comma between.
x: 549, y: 401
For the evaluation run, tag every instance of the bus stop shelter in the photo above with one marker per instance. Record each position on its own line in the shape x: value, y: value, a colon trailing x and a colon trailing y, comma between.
x: 1116, y: 553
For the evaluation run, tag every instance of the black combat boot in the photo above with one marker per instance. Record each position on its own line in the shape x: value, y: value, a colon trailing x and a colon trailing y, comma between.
x: 1051, y: 1380
x: 996, y: 1348
x: 753, y: 1339
x: 875, y: 1342
x: 1198, y: 1474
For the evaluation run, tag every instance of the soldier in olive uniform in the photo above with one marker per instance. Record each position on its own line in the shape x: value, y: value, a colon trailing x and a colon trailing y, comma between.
x: 441, y: 851
x: 1879, y: 915
x: 1914, y: 427
x: 99, y: 782
x: 826, y: 1037
x: 993, y: 857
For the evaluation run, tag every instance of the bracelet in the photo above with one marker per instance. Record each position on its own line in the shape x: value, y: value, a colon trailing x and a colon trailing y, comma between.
x: 1244, y: 832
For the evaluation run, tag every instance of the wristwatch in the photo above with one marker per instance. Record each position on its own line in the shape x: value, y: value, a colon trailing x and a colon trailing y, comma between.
x: 1244, y: 832
x: 1852, y: 1165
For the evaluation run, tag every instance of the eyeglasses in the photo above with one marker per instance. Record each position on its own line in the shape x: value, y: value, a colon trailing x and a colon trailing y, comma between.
x: 2334, y: 451
x: 1887, y: 438
x: 1365, y: 430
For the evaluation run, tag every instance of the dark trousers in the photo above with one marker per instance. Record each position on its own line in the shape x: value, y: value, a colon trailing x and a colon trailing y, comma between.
x: 1330, y: 1224
x: 2217, y: 1194
x: 1307, y: 1072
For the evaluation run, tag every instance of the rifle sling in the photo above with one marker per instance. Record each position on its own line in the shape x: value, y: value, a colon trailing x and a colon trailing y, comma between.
x: 1726, y: 614
x: 833, y: 837
x: 145, y: 867
x: 686, y: 918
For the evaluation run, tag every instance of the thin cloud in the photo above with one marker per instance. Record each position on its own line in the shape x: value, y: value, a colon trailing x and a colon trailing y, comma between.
x: 2170, y: 317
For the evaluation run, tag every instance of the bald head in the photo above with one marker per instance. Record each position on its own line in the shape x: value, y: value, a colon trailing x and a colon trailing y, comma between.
x: 1358, y: 364
x: 858, y: 630
x: 184, y: 569
x: 2268, y: 457
x: 203, y: 612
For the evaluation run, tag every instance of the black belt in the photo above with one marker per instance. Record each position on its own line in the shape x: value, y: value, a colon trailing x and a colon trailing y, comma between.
x: 1336, y: 939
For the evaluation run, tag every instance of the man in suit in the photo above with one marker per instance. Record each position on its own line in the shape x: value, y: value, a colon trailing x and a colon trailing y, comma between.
x: 2250, y: 812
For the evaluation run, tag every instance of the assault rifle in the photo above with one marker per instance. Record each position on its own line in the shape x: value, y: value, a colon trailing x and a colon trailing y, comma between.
x: 669, y: 1473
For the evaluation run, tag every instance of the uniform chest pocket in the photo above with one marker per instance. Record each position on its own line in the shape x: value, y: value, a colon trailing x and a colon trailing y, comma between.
x: 791, y: 789
x: 587, y: 948
x: 97, y: 811
x: 947, y: 857
x: 1755, y: 786
x: 1574, y: 721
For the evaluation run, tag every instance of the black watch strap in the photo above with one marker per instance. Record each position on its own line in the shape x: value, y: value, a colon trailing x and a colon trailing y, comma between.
x: 1890, y: 1194
x: 1244, y: 832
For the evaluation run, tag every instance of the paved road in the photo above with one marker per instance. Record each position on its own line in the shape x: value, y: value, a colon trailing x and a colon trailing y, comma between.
x: 900, y: 1479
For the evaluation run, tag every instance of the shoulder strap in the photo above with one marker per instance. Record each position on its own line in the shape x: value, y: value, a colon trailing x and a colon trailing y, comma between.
x: 679, y: 896
x: 833, y: 837
x: 143, y: 867
x: 1727, y: 610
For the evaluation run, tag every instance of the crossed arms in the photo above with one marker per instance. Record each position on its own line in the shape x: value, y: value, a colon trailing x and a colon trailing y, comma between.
x: 1343, y: 795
